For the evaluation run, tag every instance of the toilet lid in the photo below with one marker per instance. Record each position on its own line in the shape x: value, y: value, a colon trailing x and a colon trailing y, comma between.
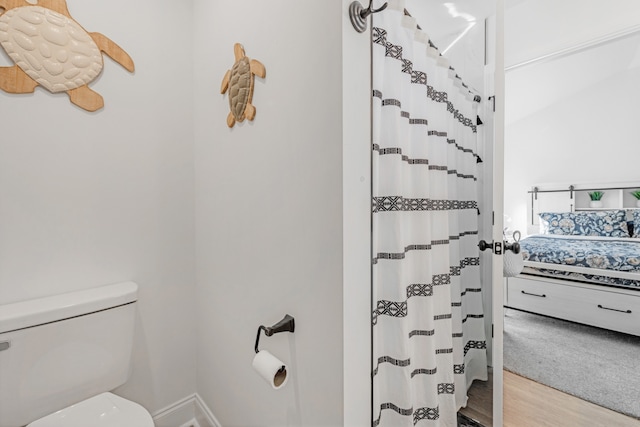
x: 103, y: 410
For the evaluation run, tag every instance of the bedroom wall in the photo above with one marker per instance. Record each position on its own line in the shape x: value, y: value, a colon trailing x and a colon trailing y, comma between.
x: 569, y: 120
x: 88, y: 199
x: 269, y: 211
x: 534, y: 28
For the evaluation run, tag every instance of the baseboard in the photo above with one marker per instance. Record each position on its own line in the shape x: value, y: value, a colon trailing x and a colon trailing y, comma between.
x: 188, y: 412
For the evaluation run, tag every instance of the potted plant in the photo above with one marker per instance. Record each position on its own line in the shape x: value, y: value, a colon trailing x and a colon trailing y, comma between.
x: 596, y: 199
x: 636, y: 194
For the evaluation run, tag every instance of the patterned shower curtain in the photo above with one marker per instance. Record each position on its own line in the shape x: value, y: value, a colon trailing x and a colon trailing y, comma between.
x: 428, y: 325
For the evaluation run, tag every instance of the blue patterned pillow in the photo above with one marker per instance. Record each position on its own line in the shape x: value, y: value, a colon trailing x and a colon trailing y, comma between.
x: 636, y: 223
x: 589, y: 223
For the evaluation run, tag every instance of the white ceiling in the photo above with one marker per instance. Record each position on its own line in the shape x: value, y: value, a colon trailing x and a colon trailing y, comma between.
x: 456, y: 27
x: 535, y: 28
x: 445, y: 20
x: 544, y: 84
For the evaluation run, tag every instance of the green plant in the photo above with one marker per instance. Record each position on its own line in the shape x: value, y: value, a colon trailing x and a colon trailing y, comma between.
x: 636, y: 194
x: 596, y: 195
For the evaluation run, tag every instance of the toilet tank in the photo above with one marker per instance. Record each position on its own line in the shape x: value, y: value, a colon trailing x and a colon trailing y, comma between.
x: 60, y: 350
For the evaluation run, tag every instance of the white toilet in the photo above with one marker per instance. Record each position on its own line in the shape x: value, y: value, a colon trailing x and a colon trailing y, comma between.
x: 61, y: 355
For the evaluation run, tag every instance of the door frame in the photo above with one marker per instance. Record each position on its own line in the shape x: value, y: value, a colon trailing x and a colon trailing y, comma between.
x: 356, y: 222
x: 498, y: 212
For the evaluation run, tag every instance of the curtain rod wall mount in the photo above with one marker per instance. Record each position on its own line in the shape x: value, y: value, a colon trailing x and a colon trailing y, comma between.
x: 359, y: 15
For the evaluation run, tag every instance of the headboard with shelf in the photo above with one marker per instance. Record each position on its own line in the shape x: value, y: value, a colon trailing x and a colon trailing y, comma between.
x: 575, y: 197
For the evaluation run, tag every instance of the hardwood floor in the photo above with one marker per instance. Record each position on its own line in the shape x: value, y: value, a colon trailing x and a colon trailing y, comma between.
x: 531, y: 404
x: 480, y: 403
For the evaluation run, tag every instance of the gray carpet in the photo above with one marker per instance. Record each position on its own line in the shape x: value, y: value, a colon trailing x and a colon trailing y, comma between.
x: 600, y: 366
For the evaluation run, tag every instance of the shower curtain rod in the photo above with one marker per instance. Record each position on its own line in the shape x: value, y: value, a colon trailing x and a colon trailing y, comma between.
x: 359, y: 15
x: 476, y: 97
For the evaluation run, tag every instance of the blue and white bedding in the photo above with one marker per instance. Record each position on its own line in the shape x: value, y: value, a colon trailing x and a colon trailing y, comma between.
x: 611, y: 223
x: 603, y: 260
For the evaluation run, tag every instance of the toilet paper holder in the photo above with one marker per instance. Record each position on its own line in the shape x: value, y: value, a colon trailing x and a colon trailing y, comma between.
x: 287, y: 324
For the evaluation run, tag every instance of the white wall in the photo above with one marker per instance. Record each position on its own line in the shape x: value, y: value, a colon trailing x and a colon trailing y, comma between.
x: 269, y: 211
x: 91, y: 199
x: 356, y: 175
x: 571, y: 120
x: 534, y: 28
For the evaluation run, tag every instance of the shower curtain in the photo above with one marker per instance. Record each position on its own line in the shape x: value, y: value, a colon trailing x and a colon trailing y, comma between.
x: 428, y: 324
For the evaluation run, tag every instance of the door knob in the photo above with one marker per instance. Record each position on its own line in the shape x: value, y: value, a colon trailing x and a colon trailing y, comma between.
x: 483, y: 245
x: 515, y: 246
x: 495, y: 247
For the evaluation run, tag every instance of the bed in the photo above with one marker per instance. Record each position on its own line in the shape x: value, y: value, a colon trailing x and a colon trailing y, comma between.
x: 584, y: 267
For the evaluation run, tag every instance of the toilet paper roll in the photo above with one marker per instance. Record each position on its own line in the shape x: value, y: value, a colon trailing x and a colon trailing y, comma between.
x: 271, y: 369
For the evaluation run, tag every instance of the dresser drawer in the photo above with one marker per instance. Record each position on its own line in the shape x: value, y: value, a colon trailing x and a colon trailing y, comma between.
x: 609, y: 308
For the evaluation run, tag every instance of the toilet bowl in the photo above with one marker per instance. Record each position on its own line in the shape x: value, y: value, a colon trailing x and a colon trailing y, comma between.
x: 103, y: 410
x: 61, y: 356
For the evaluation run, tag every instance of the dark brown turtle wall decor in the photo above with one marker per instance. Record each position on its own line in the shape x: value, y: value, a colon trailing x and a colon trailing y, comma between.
x: 239, y: 80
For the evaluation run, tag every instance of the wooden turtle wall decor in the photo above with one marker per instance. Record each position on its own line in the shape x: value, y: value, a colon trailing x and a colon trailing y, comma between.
x: 239, y: 80
x: 50, y: 49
